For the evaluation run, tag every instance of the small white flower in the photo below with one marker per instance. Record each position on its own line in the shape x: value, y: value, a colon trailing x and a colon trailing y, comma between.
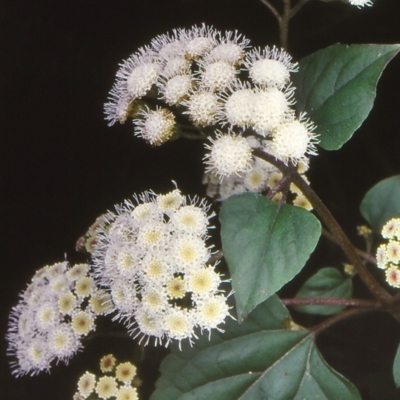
x: 361, y: 3
x: 176, y: 66
x: 228, y: 155
x: 190, y: 219
x: 86, y: 384
x: 217, y: 75
x: 139, y: 73
x: 62, y: 341
x: 388, y: 255
x: 179, y: 324
x: 119, y: 105
x: 170, y: 202
x: 256, y: 179
x: 271, y: 107
x: 237, y: 106
x: 212, y: 312
x: 391, y: 229
x: 199, y: 42
x: 293, y: 140
x: 203, y: 282
x: 175, y: 89
x: 189, y: 252
x: 155, y: 126
x: 393, y: 276
x: 230, y: 50
x: 381, y: 257
x: 269, y: 67
x: 168, y: 46
x: 82, y: 323
x: 202, y: 107
x: 148, y: 326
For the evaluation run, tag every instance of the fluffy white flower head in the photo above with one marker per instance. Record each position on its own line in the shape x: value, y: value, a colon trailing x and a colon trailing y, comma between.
x: 230, y: 49
x: 269, y: 67
x: 174, y: 90
x: 146, y: 270
x: 238, y: 107
x: 361, y: 3
x: 119, y: 105
x: 228, y: 155
x: 203, y: 107
x: 41, y: 325
x: 293, y: 140
x: 217, y: 75
x: 139, y: 72
x: 198, y: 46
x: 155, y: 126
x: 271, y: 107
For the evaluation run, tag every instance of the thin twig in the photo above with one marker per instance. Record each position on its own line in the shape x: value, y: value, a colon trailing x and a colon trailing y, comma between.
x: 367, y: 257
x: 336, y: 230
x: 331, y: 301
x: 272, y: 9
x: 316, y: 330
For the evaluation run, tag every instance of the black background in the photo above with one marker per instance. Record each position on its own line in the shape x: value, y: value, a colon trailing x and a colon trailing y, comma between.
x: 61, y: 166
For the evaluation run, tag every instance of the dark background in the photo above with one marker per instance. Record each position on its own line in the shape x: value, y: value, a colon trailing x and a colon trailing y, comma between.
x: 61, y: 166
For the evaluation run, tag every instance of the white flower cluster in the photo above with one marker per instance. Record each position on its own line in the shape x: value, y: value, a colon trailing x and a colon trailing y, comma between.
x: 215, y: 80
x: 55, y: 312
x: 361, y: 3
x: 260, y: 177
x: 388, y: 255
x: 153, y: 259
x: 119, y: 381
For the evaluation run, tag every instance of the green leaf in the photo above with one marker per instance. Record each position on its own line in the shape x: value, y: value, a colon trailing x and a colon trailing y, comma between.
x: 336, y: 86
x: 265, y: 246
x: 382, y: 202
x: 257, y: 360
x: 396, y: 368
x: 327, y: 282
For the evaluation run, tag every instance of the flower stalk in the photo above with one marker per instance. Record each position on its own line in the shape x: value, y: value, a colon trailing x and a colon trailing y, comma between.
x: 335, y: 229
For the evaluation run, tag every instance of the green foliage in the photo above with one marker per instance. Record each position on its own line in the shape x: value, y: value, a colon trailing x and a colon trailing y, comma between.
x: 327, y: 282
x: 265, y: 245
x: 396, y: 368
x: 336, y: 86
x: 382, y: 202
x: 260, y: 359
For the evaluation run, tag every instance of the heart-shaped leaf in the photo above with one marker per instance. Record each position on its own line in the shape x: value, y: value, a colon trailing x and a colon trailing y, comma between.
x: 260, y: 359
x: 327, y: 282
x: 382, y: 202
x: 265, y: 245
x: 336, y: 86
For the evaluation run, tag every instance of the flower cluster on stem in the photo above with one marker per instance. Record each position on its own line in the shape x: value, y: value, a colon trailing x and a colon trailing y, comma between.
x: 56, y: 311
x: 153, y: 259
x: 213, y: 83
x: 388, y: 254
x: 118, y: 381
